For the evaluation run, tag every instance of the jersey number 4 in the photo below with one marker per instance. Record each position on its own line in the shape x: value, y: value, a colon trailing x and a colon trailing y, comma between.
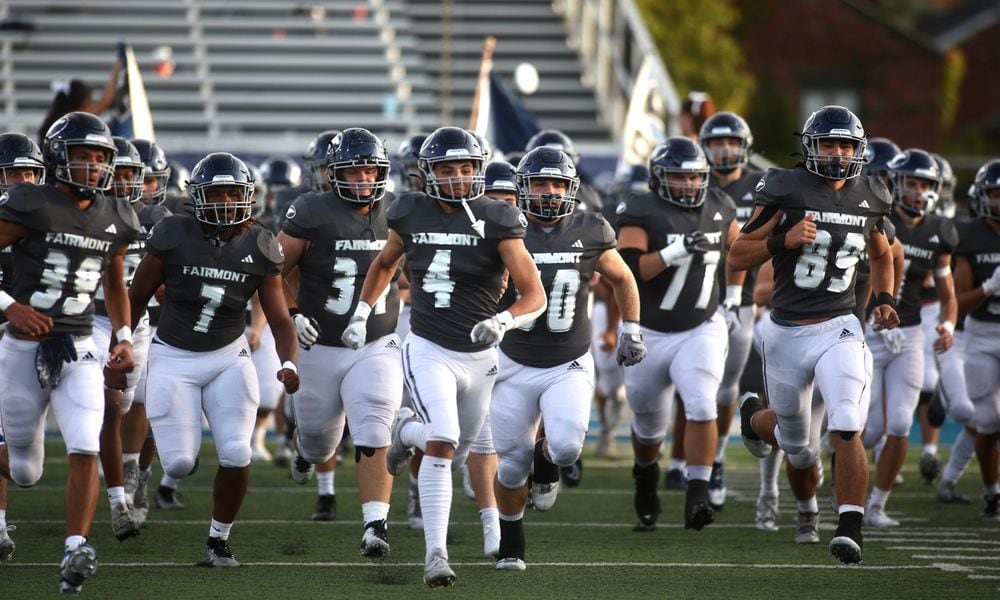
x: 75, y: 294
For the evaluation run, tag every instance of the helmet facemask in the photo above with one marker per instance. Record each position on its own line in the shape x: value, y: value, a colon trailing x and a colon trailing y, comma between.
x: 19, y: 165
x: 67, y: 171
x: 444, y: 188
x: 547, y: 206
x: 220, y: 213
x: 726, y: 158
x: 127, y: 182
x: 683, y: 194
x: 361, y: 192
x: 907, y: 196
x: 834, y: 166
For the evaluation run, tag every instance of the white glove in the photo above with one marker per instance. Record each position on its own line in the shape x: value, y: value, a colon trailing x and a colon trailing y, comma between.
x: 682, y: 247
x: 307, y: 330
x: 731, y: 308
x: 355, y: 333
x: 991, y: 287
x: 490, y: 331
x: 893, y: 339
x: 631, y: 347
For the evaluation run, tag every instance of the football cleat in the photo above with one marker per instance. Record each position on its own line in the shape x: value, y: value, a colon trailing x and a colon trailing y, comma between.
x: 697, y: 510
x: 414, y: 516
x: 717, y: 487
x: 543, y: 495
x: 847, y: 542
x: 767, y: 514
x: 167, y: 498
x: 77, y: 565
x: 949, y: 494
x: 283, y: 456
x: 930, y: 468
x: 140, y: 499
x: 399, y: 453
x: 216, y: 553
x: 326, y: 508
x: 131, y: 479
x: 573, y: 474
x: 991, y: 511
x: 875, y: 517
x: 510, y: 564
x: 301, y: 470
x: 6, y: 544
x: 807, y: 530
x: 749, y: 405
x: 646, y: 501
x: 123, y: 522
x: 375, y: 541
x: 437, y: 572
x: 675, y: 479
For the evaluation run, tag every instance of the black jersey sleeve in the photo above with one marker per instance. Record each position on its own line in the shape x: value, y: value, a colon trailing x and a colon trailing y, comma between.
x: 772, y: 188
x: 399, y: 209
x: 271, y: 249
x: 634, y: 210
x: 948, y: 236
x: 18, y: 206
x: 504, y: 220
x: 297, y: 222
x: 166, y: 236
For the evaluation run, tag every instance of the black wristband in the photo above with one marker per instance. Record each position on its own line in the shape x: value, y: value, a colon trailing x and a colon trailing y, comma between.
x: 885, y: 298
x: 292, y: 311
x: 776, y: 243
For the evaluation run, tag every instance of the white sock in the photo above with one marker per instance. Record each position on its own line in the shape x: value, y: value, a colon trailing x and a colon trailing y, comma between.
x: 3, y: 519
x: 490, y: 518
x: 930, y: 449
x: 769, y: 468
x: 116, y: 495
x: 219, y: 530
x: 878, y: 497
x: 75, y: 541
x: 962, y: 452
x: 675, y: 464
x: 992, y: 489
x: 325, y: 482
x: 373, y: 510
x: 258, y: 435
x: 412, y: 434
x: 807, y: 506
x: 720, y: 449
x: 698, y: 472
x: 130, y: 457
x: 516, y: 517
x: 850, y: 508
x: 170, y: 482
x: 435, y: 486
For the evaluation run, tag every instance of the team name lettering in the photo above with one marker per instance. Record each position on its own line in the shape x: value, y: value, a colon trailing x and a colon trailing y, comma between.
x: 988, y: 258
x: 556, y: 258
x: 837, y: 218
x: 743, y: 213
x: 359, y: 245
x: 714, y: 237
x: 213, y: 273
x: 913, y: 251
x: 77, y: 241
x: 137, y: 245
x: 445, y: 239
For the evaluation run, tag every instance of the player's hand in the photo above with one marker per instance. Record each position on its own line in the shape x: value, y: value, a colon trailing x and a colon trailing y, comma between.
x: 893, y: 339
x: 609, y: 340
x: 160, y: 294
x: 945, y: 338
x: 694, y: 242
x: 991, y: 287
x: 631, y: 348
x: 307, y: 330
x: 120, y: 358
x: 732, y: 314
x: 25, y: 318
x: 291, y: 380
x: 253, y: 340
x: 491, y: 331
x: 885, y: 316
x: 355, y: 333
x: 801, y: 234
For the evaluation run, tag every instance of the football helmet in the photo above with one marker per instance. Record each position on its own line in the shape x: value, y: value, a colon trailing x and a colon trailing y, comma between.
x: 408, y: 156
x: 221, y: 169
x: 726, y: 125
x: 357, y: 147
x: 79, y: 129
x: 632, y: 178
x: 127, y: 159
x: 946, y: 197
x: 500, y: 176
x: 679, y: 155
x: 914, y: 164
x: 156, y: 166
x: 18, y: 151
x: 987, y: 179
x: 178, y: 178
x: 484, y: 143
x: 315, y: 158
x: 547, y: 163
x: 878, y: 153
x: 259, y: 193
x: 555, y: 139
x: 452, y: 144
x: 833, y: 122
x: 280, y: 172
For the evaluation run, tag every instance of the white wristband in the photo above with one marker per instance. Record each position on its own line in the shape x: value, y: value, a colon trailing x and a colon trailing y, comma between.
x: 290, y: 366
x: 734, y: 295
x: 363, y: 310
x: 631, y: 328
x: 948, y: 325
x: 5, y: 301
x: 124, y: 334
x: 942, y: 272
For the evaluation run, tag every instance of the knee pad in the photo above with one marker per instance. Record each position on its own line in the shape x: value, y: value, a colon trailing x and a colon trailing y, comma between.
x: 316, y: 449
x: 803, y: 459
x: 847, y: 435
x: 235, y: 454
x: 794, y: 450
x: 870, y: 437
x: 25, y: 473
x: 648, y: 441
x: 179, y: 467
x: 564, y: 455
x: 513, y: 475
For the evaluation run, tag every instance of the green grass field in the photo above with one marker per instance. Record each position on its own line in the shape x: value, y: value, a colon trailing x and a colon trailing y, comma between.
x: 583, y: 548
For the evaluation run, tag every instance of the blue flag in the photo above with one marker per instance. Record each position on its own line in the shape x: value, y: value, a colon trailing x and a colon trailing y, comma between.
x: 511, y: 124
x: 132, y: 118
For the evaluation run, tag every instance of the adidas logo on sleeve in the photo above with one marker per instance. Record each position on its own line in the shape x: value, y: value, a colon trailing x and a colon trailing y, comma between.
x: 248, y: 259
x: 111, y: 229
x: 578, y: 244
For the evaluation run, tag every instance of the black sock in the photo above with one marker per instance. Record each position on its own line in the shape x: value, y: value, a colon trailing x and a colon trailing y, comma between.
x: 511, y: 539
x: 544, y: 471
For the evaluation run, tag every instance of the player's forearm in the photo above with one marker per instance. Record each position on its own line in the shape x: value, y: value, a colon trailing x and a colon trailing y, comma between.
x: 882, y: 277
x: 626, y: 300
x: 286, y: 342
x: 946, y: 296
x: 116, y: 302
x: 734, y: 277
x: 377, y: 279
x: 747, y: 253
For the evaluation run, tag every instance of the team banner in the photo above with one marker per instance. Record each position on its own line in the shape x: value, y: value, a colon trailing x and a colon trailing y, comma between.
x: 132, y: 117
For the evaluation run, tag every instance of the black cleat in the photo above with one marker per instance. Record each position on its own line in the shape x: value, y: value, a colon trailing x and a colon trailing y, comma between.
x: 326, y: 508
x: 646, y: 502
x: 675, y: 480
x: 216, y: 553
x: 991, y: 508
x: 847, y: 542
x: 697, y: 511
x: 573, y: 474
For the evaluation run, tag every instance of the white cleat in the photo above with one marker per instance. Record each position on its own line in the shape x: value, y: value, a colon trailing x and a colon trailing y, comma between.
x: 399, y: 453
x: 6, y: 544
x: 124, y: 522
x: 260, y: 454
x: 543, y: 495
x: 437, y: 572
x: 301, y: 469
x: 767, y: 514
x: 875, y: 517
x: 77, y: 565
x: 510, y: 564
x: 807, y: 531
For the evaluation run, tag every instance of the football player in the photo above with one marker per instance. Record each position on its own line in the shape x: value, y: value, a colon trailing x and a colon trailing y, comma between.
x: 457, y: 245
x: 977, y: 286
x: 673, y: 239
x: 315, y: 159
x: 726, y: 139
x: 67, y: 237
x: 333, y: 237
x: 546, y: 370
x: 499, y: 182
x: 408, y: 155
x: 211, y: 263
x: 815, y: 220
x: 898, y: 353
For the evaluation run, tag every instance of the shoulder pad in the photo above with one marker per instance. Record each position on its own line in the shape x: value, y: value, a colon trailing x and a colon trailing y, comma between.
x: 880, y: 192
x: 126, y: 213
x: 949, y: 234
x: 604, y: 233
x: 634, y: 209
x: 772, y: 187
x: 297, y: 214
x: 889, y: 229
x: 168, y: 233
x: 505, y: 214
x: 269, y: 246
x: 18, y: 198
x: 403, y: 205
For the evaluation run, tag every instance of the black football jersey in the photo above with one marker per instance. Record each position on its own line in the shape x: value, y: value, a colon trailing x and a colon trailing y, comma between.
x: 818, y: 279
x: 741, y: 191
x: 342, y: 245
x: 148, y: 216
x: 280, y: 201
x: 566, y: 256
x: 179, y: 204
x: 6, y: 274
x: 456, y: 273
x: 978, y: 243
x: 922, y: 245
x: 208, y: 284
x: 686, y: 293
x: 59, y: 264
